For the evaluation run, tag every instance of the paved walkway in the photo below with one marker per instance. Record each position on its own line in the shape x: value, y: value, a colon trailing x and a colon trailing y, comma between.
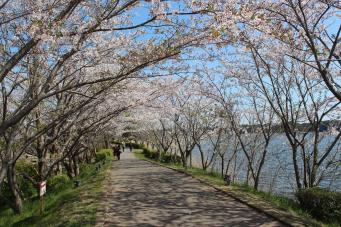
x: 139, y: 193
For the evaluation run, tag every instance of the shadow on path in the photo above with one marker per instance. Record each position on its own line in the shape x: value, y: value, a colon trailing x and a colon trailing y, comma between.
x: 139, y: 193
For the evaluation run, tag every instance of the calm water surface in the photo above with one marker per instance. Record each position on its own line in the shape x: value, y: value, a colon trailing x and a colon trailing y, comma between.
x: 277, y: 173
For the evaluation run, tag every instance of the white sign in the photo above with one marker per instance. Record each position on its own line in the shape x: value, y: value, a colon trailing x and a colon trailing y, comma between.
x: 42, y: 188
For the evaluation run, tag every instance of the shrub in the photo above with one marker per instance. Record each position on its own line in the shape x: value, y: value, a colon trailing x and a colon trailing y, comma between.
x: 27, y: 190
x: 134, y: 145
x: 322, y: 204
x: 150, y: 154
x: 58, y: 182
x: 5, y: 195
x: 116, y: 142
x: 146, y: 151
x: 176, y: 159
x: 103, y: 154
x: 26, y: 187
x: 27, y: 167
x: 166, y: 158
x: 85, y: 167
x: 154, y: 155
x: 100, y: 156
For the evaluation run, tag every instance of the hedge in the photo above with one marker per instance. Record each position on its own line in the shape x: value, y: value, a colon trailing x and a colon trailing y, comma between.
x: 27, y: 189
x: 24, y: 167
x: 58, y: 182
x: 117, y: 142
x: 165, y: 157
x: 103, y: 154
x: 134, y: 145
x: 321, y: 203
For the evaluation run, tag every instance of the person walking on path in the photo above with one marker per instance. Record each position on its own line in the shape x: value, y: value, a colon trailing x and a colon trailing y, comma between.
x: 117, y: 152
x: 113, y: 150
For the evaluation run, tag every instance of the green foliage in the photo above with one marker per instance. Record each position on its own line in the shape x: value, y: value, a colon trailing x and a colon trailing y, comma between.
x: 100, y: 156
x: 26, y: 168
x: 116, y: 142
x: 5, y: 195
x: 85, y: 169
x: 322, y: 204
x: 58, y: 183
x: 150, y: 154
x: 165, y: 158
x: 281, y: 201
x: 134, y: 145
x: 68, y: 206
x: 155, y: 155
x: 26, y: 187
x: 168, y: 158
x: 104, y: 154
x: 88, y: 170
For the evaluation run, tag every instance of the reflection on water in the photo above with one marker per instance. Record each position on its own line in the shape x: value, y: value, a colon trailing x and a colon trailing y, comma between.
x: 278, y: 173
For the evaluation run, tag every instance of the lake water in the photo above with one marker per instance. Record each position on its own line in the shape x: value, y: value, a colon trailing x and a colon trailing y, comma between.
x: 277, y: 173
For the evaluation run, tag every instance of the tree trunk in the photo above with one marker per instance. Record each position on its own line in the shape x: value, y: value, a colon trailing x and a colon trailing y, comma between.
x: 75, y: 165
x: 106, y: 142
x: 8, y: 157
x: 88, y: 157
x: 3, y: 172
x: 41, y: 168
x: 255, y: 185
x: 69, y: 170
x: 259, y: 170
x: 297, y: 173
x: 312, y: 175
x: 12, y: 183
x: 202, y: 157
x: 59, y: 168
x: 234, y: 169
x: 184, y: 161
x: 247, y: 175
x: 222, y: 166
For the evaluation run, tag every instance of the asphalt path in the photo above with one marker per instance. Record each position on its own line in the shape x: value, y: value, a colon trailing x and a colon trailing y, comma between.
x: 139, y: 193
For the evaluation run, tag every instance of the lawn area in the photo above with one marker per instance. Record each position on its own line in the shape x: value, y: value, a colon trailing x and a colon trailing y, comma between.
x: 70, y: 206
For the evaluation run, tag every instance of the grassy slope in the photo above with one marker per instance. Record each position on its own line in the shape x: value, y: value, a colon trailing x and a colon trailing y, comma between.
x: 70, y: 207
x: 243, y: 190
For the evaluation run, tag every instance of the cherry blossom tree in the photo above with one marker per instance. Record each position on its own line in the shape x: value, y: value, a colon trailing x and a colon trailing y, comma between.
x: 297, y: 98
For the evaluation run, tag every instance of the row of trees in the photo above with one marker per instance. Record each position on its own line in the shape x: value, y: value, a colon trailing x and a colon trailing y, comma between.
x: 280, y: 74
x: 236, y: 125
x: 71, y: 70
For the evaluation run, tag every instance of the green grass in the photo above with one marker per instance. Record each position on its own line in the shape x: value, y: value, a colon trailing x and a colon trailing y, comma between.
x: 68, y: 207
x: 214, y: 178
x: 138, y: 153
x: 280, y: 201
x: 242, y: 189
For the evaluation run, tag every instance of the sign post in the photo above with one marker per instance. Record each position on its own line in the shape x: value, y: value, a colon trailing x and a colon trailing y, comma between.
x: 42, y: 192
